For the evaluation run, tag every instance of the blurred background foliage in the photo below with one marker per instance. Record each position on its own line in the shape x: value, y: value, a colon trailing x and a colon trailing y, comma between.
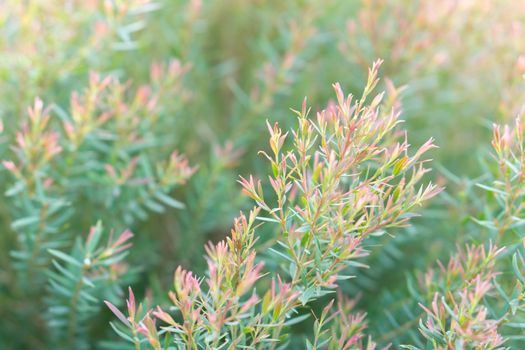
x: 235, y: 64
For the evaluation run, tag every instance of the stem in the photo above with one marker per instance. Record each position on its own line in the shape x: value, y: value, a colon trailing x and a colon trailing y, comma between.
x: 275, y: 334
x: 72, y: 323
x: 37, y: 242
x: 401, y: 329
x: 136, y: 340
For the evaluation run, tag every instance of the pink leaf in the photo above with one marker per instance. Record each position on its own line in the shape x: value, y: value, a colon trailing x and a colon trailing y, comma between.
x: 117, y: 313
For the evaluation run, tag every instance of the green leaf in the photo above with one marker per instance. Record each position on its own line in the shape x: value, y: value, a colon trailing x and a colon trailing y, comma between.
x: 492, y: 189
x: 280, y: 254
x: 516, y: 268
x: 297, y: 320
x: 65, y: 257
x: 170, y: 201
x: 120, y: 333
x: 154, y: 206
x: 24, y: 222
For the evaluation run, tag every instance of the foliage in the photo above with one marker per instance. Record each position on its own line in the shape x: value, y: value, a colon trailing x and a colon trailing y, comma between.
x: 139, y: 116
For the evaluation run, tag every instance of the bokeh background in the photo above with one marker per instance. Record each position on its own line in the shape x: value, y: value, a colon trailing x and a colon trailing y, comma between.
x: 462, y: 63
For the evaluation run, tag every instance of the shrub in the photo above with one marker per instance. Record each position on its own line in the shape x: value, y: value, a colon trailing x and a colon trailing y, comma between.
x: 345, y: 176
x: 148, y: 117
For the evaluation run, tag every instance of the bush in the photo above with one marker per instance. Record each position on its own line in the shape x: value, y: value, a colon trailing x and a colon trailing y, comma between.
x: 149, y: 117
